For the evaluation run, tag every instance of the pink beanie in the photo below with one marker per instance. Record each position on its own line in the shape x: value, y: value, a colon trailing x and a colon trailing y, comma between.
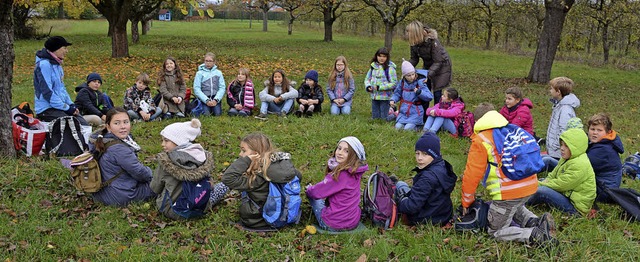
x: 407, y: 68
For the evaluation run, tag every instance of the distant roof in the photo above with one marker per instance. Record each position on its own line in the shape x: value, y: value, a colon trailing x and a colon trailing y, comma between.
x: 164, y: 11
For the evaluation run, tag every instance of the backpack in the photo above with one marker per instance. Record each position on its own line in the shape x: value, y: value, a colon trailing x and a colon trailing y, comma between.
x: 282, y: 206
x: 519, y: 150
x: 108, y: 103
x: 628, y: 199
x: 28, y: 133
x: 464, y: 124
x: 65, y: 137
x: 475, y: 220
x: 631, y: 166
x: 378, y: 203
x: 193, y: 200
x: 86, y: 174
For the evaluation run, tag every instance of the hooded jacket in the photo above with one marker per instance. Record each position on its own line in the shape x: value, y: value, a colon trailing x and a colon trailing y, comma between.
x: 188, y: 162
x: 342, y: 209
x: 482, y: 152
x: 386, y: 81
x: 447, y: 109
x: 208, y: 84
x: 89, y: 101
x: 132, y: 185
x: 411, y: 110
x: 605, y: 158
x: 574, y: 177
x: 429, y: 200
x: 344, y: 88
x: 241, y: 94
x: 281, y: 170
x: 133, y: 96
x: 49, y: 89
x: 170, y: 89
x: 561, y: 112
x: 435, y: 58
x: 304, y: 92
x: 520, y: 115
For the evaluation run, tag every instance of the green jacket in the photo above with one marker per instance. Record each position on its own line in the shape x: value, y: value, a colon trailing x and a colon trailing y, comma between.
x: 574, y: 177
x: 281, y: 170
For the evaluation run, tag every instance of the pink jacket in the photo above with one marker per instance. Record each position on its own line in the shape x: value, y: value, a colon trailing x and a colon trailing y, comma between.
x: 453, y: 110
x: 520, y: 115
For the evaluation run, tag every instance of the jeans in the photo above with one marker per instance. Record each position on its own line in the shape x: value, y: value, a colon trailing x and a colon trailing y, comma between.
x: 236, y: 112
x: 554, y: 199
x: 550, y: 163
x: 317, y: 205
x: 408, y: 127
x: 134, y: 115
x: 208, y: 110
x: 336, y: 110
x: 434, y: 123
x: 379, y: 109
x: 272, y: 107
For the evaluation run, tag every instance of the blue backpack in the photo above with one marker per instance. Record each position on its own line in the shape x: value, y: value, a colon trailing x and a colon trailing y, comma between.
x: 283, y: 203
x: 192, y: 202
x: 519, y: 150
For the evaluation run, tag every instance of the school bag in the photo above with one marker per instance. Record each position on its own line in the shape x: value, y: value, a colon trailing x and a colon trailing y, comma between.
x: 86, y: 174
x: 628, y: 199
x: 282, y: 206
x: 475, y: 220
x: 519, y: 151
x: 631, y: 166
x: 193, y: 200
x: 464, y: 124
x: 377, y: 200
x: 28, y: 133
x: 65, y: 137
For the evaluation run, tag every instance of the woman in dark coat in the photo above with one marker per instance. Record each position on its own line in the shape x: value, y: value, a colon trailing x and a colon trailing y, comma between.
x: 424, y: 44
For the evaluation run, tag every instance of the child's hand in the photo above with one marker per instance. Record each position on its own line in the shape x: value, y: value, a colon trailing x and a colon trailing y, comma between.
x: 369, y: 89
x: 433, y: 112
x: 465, y: 210
x: 392, y: 103
x: 238, y: 106
x: 308, y: 186
x: 145, y: 116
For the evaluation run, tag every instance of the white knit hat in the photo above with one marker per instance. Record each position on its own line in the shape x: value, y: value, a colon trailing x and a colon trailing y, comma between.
x: 182, y: 133
x: 407, y: 68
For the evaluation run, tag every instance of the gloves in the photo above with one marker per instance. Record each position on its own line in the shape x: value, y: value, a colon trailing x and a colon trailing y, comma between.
x: 71, y: 110
x: 419, y: 92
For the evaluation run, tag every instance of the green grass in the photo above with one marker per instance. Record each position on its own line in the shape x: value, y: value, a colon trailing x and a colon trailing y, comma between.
x: 45, y: 220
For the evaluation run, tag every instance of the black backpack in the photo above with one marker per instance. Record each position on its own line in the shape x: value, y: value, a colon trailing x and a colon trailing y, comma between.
x: 628, y: 199
x: 65, y: 137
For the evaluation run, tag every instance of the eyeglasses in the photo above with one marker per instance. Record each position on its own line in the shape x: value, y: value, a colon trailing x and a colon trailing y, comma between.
x: 208, y: 61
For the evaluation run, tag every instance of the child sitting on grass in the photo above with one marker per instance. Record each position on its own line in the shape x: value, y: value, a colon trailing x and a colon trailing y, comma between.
x: 429, y: 200
x: 571, y: 186
x: 335, y: 201
x: 138, y: 100
x: 443, y: 113
x: 604, y: 152
x: 517, y: 109
x: 182, y: 161
x: 411, y: 94
x: 310, y: 95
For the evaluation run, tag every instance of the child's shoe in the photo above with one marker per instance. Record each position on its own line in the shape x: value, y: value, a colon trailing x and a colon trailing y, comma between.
x: 283, y: 114
x: 180, y: 114
x: 167, y: 115
x: 308, y: 113
x: 261, y: 116
x: 298, y: 113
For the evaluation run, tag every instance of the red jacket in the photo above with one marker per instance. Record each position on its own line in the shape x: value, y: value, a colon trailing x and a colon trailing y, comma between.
x: 520, y: 115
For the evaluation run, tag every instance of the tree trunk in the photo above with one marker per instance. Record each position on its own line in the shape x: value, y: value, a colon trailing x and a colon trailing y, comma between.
x: 555, y: 14
x: 290, y: 27
x: 487, y: 43
x: 449, y: 32
x: 135, y: 35
x: 61, y: 11
x: 146, y: 24
x: 605, y: 42
x: 388, y: 36
x: 6, y: 71
x: 119, y: 42
x: 328, y: 25
x: 265, y: 21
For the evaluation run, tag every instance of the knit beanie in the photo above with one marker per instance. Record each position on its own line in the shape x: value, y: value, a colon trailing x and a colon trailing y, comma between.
x: 407, y: 68
x: 55, y: 42
x: 574, y: 122
x: 182, y: 133
x: 312, y: 74
x: 94, y: 76
x: 356, y: 145
x: 430, y: 144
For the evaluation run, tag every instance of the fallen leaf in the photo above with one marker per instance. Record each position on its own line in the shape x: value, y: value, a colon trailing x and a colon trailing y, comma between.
x: 362, y: 258
x: 368, y: 242
x: 446, y: 240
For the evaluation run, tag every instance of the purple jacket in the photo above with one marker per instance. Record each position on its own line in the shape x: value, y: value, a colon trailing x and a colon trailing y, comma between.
x: 342, y: 209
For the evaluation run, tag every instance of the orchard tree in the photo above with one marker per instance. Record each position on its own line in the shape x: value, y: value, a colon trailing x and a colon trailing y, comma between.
x: 139, y: 10
x: 606, y: 13
x: 6, y: 71
x: 555, y: 14
x: 117, y: 13
x: 332, y: 10
x: 392, y: 13
x: 291, y: 6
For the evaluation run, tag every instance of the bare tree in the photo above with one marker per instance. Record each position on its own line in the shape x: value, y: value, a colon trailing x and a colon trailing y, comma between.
x: 331, y: 11
x: 117, y: 14
x: 291, y: 6
x: 607, y: 12
x: 139, y: 9
x: 264, y: 6
x: 489, y: 10
x: 555, y: 15
x: 392, y: 13
x: 6, y: 71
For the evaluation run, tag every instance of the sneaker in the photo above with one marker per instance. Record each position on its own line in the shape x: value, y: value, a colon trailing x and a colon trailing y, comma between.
x: 539, y: 237
x: 167, y: 116
x: 308, y: 113
x: 298, y: 113
x: 261, y: 116
x: 546, y: 222
x: 283, y: 114
x: 179, y: 114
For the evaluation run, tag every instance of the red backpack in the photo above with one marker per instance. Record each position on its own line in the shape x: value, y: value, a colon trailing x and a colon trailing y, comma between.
x: 464, y: 124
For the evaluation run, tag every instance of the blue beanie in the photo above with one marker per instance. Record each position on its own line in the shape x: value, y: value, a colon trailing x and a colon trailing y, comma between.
x: 312, y: 74
x: 94, y: 76
x: 430, y: 144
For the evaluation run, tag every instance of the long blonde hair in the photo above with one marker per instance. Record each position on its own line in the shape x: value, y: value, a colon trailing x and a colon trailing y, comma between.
x: 415, y: 33
x: 350, y: 164
x: 334, y: 73
x: 262, y: 145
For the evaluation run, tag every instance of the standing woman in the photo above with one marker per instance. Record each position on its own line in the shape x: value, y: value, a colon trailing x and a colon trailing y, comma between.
x: 425, y: 44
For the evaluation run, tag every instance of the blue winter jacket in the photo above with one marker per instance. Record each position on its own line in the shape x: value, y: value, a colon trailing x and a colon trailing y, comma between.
x: 411, y: 110
x: 50, y: 91
x: 132, y: 185
x: 209, y: 84
x: 605, y: 160
x: 429, y: 200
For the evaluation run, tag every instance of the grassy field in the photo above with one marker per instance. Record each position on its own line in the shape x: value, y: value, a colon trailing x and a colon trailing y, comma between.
x: 45, y: 220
